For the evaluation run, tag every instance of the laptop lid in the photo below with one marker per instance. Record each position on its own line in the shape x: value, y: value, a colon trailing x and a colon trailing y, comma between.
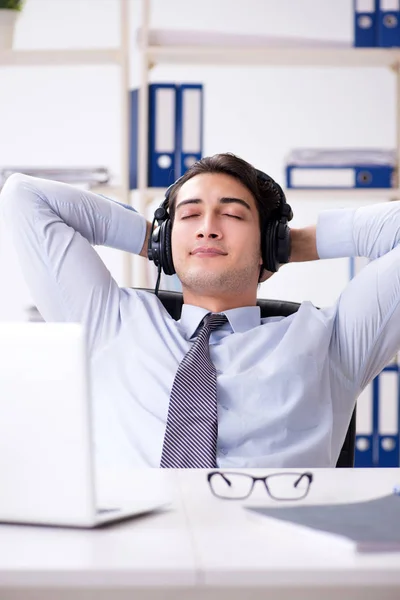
x: 46, y: 465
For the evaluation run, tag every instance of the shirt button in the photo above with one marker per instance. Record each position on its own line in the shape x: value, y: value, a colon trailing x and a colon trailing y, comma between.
x: 223, y: 451
x: 219, y: 372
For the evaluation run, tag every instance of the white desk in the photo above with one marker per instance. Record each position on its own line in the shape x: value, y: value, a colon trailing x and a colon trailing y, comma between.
x: 203, y: 547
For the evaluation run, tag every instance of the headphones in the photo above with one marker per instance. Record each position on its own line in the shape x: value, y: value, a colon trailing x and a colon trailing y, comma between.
x: 275, y: 238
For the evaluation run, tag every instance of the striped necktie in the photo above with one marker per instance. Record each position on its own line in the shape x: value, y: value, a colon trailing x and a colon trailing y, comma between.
x: 192, y: 424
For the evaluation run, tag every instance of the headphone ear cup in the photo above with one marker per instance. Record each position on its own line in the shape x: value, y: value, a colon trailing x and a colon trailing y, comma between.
x: 269, y: 247
x: 167, y: 263
x: 283, y: 243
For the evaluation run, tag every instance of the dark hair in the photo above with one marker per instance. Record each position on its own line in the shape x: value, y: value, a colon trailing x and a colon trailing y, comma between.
x: 266, y: 196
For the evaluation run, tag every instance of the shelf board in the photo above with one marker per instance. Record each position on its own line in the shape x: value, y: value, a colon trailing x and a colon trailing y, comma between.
x: 283, y: 56
x: 149, y: 194
x: 108, y: 190
x: 383, y: 194
x: 95, y: 56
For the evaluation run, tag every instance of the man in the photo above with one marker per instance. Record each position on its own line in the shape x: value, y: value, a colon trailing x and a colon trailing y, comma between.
x: 284, y: 388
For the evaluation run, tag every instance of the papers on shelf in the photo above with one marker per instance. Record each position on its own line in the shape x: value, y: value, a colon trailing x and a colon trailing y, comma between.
x: 75, y: 175
x: 341, y: 157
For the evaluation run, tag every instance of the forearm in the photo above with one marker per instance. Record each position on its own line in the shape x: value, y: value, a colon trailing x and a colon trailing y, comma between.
x: 54, y: 228
x: 304, y: 244
x: 368, y: 231
x: 143, y: 251
x: 30, y: 202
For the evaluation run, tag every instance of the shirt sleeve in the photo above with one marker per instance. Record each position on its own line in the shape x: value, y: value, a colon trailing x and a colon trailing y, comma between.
x: 54, y: 227
x: 366, y: 334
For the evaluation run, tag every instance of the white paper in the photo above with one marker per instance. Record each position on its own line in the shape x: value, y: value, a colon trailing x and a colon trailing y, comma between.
x: 343, y: 178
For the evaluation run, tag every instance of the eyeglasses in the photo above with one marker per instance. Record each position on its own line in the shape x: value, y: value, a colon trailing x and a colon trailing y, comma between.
x: 279, y: 486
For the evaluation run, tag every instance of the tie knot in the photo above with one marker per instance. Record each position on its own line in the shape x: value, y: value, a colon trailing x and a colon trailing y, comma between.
x: 214, y: 320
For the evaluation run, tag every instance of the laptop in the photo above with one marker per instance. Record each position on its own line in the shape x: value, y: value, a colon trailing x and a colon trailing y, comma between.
x: 47, y: 464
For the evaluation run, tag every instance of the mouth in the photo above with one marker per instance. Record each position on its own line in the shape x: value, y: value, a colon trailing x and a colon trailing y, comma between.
x: 208, y: 252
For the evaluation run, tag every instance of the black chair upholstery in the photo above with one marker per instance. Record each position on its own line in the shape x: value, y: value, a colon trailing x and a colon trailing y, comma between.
x: 172, y: 301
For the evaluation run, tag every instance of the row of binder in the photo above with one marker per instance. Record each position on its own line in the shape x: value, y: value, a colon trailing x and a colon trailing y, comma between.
x: 377, y: 430
x: 377, y: 23
x: 378, y: 411
x: 340, y: 168
x: 175, y: 132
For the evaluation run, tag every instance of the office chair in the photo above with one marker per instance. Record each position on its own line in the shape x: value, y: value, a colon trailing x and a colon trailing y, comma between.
x: 172, y: 302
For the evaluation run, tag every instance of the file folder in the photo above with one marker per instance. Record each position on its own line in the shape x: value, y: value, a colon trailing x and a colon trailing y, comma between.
x: 133, y: 140
x: 189, y: 125
x: 162, y: 136
x: 340, y: 169
x: 388, y: 416
x: 365, y: 23
x: 388, y: 29
x: 364, y: 450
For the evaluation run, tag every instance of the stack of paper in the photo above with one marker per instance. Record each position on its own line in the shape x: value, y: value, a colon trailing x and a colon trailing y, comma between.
x: 373, y: 524
x: 89, y: 176
x: 340, y: 168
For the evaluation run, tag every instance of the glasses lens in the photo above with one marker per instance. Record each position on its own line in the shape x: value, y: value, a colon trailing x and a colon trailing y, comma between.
x: 288, y: 486
x: 231, y: 485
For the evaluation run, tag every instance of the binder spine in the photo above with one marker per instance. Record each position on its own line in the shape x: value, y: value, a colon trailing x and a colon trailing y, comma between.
x: 162, y: 134
x: 388, y: 23
x: 190, y: 118
x: 365, y: 23
x: 133, y: 138
x: 388, y: 417
x: 364, y: 446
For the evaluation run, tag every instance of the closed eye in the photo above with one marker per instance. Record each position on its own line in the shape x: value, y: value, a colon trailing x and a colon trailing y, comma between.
x: 225, y: 215
x: 233, y: 216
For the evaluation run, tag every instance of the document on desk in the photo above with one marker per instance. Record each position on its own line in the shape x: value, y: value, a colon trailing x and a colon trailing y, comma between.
x: 373, y: 524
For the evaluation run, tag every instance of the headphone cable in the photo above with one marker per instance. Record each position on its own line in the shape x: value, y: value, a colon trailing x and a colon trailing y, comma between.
x: 158, y: 280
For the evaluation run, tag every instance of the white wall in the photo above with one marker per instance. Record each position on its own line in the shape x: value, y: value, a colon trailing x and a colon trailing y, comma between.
x: 69, y: 115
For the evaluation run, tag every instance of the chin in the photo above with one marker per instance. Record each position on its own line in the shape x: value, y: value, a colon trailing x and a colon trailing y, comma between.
x: 214, y: 282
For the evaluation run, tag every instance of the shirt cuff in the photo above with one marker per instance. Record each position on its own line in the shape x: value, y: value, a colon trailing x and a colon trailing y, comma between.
x: 335, y: 233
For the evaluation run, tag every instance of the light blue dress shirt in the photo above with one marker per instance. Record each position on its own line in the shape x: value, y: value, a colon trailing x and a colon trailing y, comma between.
x: 286, y: 386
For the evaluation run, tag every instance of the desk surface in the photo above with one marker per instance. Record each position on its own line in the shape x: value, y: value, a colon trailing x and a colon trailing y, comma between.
x: 200, y: 542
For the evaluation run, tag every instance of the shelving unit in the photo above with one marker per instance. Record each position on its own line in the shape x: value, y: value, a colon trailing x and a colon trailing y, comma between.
x: 118, y: 56
x: 151, y: 55
x: 41, y: 58
x: 311, y: 194
x: 380, y: 194
x: 335, y: 56
x: 284, y: 57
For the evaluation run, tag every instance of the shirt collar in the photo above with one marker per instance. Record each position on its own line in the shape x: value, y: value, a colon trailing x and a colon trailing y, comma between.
x: 240, y: 319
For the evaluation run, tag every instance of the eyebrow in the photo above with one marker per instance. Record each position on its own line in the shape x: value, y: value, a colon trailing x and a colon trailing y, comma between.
x: 224, y: 200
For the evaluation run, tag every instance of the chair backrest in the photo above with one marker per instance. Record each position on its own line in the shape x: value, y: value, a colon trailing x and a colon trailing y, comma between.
x: 172, y: 301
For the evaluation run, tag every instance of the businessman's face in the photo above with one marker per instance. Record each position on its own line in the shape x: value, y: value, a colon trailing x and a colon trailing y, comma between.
x: 216, y: 235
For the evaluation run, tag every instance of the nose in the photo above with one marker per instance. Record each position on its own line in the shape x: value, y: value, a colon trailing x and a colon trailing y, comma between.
x: 209, y: 229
